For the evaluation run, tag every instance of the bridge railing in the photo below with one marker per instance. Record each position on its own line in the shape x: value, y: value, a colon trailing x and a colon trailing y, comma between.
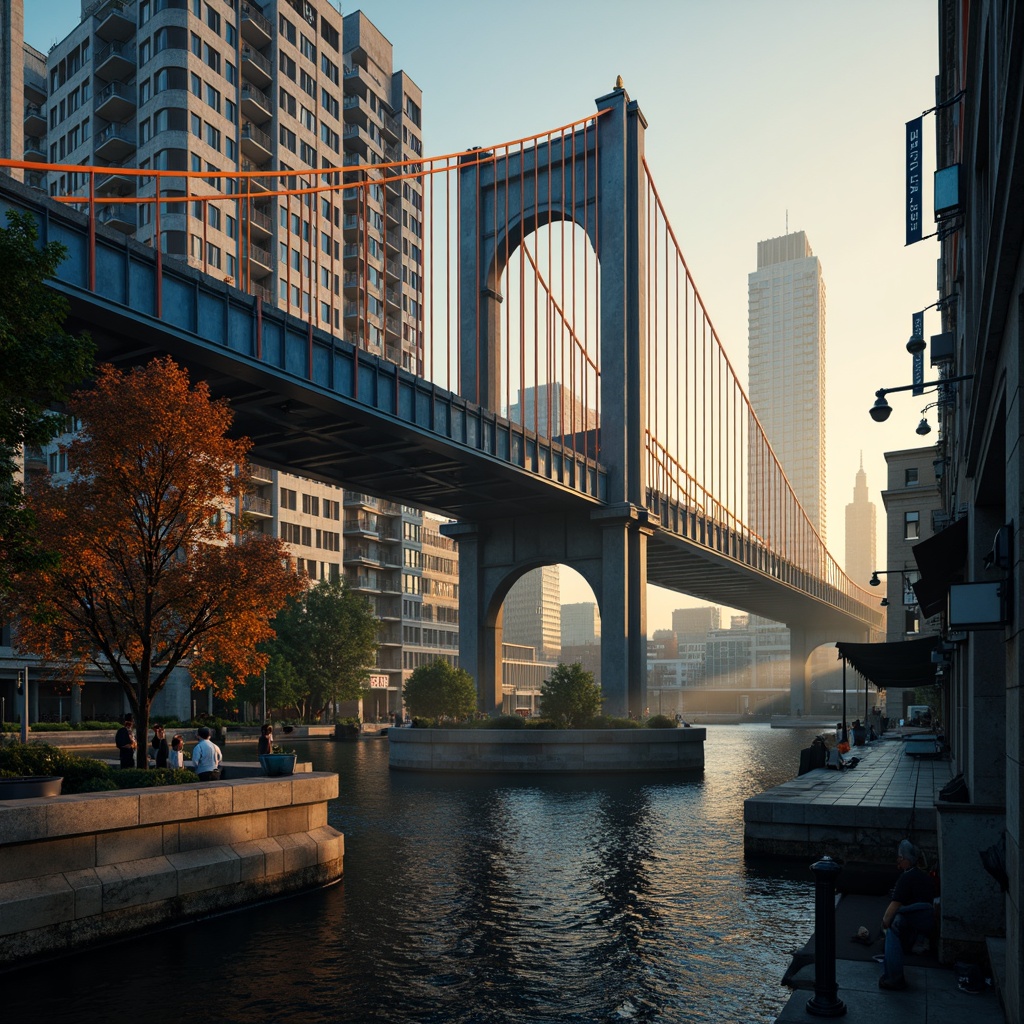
x: 710, y: 465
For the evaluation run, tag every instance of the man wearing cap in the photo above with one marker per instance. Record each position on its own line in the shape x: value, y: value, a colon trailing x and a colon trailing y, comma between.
x: 125, y: 742
x: 908, y: 916
x: 206, y: 756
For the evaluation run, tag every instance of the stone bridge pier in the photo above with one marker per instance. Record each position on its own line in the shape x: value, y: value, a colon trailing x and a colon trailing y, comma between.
x: 608, y: 549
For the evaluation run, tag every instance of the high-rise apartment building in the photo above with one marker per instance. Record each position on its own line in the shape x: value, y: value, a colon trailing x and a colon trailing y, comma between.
x: 860, y: 532
x: 786, y: 372
x: 216, y: 86
x: 581, y: 624
x: 532, y: 612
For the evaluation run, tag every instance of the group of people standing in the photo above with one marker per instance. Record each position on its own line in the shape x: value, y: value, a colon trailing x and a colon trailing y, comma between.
x: 206, y: 755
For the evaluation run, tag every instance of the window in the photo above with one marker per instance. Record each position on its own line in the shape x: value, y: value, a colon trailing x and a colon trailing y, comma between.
x: 287, y: 29
x: 329, y: 137
x: 307, y: 153
x: 211, y: 57
x: 197, y: 45
x: 329, y: 103
x: 230, y: 149
x: 910, y: 476
x: 195, y: 84
x: 289, y: 498
x: 196, y: 125
x: 145, y: 91
x: 230, y: 110
x: 230, y: 73
x: 213, y: 97
x: 308, y: 49
x: 213, y: 19
x: 287, y: 65
x: 308, y: 85
x: 229, y: 34
x: 911, y: 525
x: 308, y: 119
x: 329, y: 68
x: 311, y: 504
x: 212, y: 255
x: 287, y: 101
x: 287, y: 138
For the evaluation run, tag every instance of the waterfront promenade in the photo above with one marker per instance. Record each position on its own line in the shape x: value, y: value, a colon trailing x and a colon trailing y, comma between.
x: 858, y: 817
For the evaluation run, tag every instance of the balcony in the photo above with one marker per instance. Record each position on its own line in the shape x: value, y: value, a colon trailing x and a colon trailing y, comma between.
x: 258, y: 259
x: 114, y: 62
x: 116, y: 101
x: 262, y: 293
x: 121, y: 216
x: 115, y: 184
x: 256, y: 67
x: 262, y: 184
x: 256, y: 143
x: 35, y: 119
x: 115, y: 142
x: 260, y: 473
x: 35, y: 87
x: 114, y: 19
x: 260, y: 224
x: 256, y: 29
x: 255, y: 104
x: 257, y: 506
x: 35, y: 148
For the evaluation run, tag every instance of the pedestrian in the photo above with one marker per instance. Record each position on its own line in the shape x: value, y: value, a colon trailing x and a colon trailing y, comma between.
x: 124, y: 740
x: 159, y: 747
x: 206, y: 756
x: 265, y: 745
x: 176, y: 755
x: 909, y: 915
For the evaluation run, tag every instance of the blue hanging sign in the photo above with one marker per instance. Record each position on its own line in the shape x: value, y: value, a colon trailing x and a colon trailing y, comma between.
x: 917, y: 331
x: 913, y: 181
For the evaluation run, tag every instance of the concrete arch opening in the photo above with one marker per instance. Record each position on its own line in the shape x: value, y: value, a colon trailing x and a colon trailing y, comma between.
x: 541, y: 629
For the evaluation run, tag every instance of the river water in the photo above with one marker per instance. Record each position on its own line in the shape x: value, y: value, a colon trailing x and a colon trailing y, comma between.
x: 486, y: 899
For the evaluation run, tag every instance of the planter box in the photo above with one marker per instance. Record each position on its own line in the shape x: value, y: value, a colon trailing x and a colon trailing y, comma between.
x: 278, y: 764
x: 28, y: 786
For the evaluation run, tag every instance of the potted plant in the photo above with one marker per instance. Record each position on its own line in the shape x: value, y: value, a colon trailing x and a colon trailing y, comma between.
x: 278, y: 762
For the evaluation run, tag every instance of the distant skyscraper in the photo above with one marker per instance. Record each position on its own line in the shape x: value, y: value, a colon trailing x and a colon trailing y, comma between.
x: 695, y: 623
x: 581, y: 624
x: 786, y: 363
x: 532, y: 612
x: 860, y: 532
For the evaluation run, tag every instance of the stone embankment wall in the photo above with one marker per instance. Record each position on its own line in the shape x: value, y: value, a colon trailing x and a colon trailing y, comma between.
x: 547, y: 750
x: 76, y: 869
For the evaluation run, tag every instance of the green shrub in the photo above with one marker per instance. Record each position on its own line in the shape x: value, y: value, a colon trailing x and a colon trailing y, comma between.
x: 93, y: 726
x: 144, y: 778
x: 660, y: 722
x: 50, y: 727
x: 419, y: 722
x: 502, y: 722
x: 98, y: 785
x: 608, y: 722
x: 570, y: 697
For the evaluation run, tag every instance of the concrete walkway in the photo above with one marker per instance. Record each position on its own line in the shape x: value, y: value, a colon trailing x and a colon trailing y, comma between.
x: 859, y: 816
x: 855, y: 815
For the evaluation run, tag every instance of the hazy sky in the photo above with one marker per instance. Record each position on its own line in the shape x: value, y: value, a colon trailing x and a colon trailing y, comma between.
x: 757, y: 110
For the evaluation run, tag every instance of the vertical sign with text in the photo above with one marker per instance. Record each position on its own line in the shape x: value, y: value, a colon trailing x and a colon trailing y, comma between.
x: 913, y: 181
x: 917, y: 331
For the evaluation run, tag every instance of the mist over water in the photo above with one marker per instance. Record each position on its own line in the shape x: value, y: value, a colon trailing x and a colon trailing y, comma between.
x: 486, y: 899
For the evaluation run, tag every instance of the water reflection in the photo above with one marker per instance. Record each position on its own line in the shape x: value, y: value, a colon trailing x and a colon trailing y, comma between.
x: 490, y: 899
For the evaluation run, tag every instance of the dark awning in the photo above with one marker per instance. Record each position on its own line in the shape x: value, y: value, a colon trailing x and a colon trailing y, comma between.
x: 940, y: 559
x: 903, y: 663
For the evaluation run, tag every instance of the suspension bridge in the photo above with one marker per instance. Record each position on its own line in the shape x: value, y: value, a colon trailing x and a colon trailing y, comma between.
x: 568, y: 400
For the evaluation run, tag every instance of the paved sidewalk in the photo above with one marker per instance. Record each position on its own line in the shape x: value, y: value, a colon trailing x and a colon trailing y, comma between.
x: 856, y: 815
x: 931, y: 998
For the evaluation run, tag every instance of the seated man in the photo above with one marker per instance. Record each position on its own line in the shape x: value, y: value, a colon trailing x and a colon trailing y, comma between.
x: 908, y: 916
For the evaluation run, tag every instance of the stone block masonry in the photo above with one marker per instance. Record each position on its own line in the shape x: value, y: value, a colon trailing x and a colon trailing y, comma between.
x: 79, y: 869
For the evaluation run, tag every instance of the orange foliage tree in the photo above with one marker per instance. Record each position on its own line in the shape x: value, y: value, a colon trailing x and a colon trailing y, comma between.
x: 154, y: 569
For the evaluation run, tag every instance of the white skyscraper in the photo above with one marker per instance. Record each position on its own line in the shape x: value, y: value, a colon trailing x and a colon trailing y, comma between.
x: 786, y: 362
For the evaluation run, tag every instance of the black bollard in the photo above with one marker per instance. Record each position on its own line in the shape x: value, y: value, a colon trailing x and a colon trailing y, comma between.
x: 825, y: 1002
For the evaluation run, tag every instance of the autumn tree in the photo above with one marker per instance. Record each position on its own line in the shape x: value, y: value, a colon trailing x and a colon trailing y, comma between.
x: 39, y: 363
x: 329, y: 635
x: 439, y: 690
x: 570, y: 697
x: 155, y: 571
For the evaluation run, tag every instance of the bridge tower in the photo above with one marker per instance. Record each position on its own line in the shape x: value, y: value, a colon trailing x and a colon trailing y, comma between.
x: 607, y: 545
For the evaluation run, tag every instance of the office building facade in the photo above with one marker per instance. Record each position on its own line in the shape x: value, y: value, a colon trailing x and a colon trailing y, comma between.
x: 861, y: 536
x: 786, y: 374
